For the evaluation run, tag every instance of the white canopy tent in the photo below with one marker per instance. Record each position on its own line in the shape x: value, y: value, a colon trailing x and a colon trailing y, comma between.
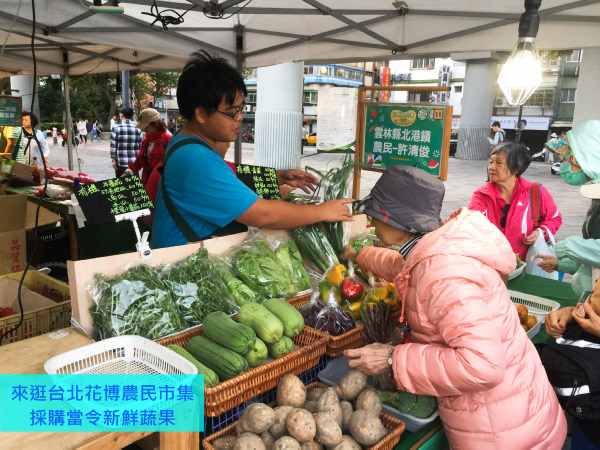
x: 259, y: 33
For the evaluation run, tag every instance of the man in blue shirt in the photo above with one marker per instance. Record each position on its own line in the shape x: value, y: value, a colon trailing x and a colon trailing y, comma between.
x: 199, y: 194
x: 125, y: 142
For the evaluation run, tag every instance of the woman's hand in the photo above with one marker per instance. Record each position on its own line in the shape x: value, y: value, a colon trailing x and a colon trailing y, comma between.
x: 349, y: 254
x: 556, y: 321
x: 591, y: 324
x: 297, y: 179
x: 453, y: 215
x: 530, y: 240
x: 548, y: 263
x: 371, y: 359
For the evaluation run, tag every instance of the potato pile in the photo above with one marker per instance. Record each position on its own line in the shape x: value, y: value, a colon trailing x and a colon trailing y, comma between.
x: 342, y: 418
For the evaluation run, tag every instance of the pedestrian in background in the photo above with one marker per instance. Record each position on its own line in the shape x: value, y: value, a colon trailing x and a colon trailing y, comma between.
x: 54, y: 136
x: 125, y: 142
x: 554, y: 139
x: 499, y: 136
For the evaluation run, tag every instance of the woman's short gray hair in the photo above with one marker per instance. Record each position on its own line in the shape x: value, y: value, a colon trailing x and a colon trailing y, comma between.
x: 517, y: 156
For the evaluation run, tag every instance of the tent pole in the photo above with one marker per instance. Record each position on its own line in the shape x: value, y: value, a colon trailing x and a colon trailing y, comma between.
x: 68, y: 109
x: 237, y: 149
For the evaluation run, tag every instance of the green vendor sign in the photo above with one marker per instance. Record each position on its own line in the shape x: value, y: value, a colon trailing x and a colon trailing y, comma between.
x: 10, y: 111
x: 410, y: 135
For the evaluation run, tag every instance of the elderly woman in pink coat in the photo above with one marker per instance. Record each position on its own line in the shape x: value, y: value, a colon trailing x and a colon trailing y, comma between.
x: 469, y: 348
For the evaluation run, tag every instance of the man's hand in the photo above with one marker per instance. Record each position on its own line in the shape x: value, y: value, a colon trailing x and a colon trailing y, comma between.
x: 548, y: 263
x: 114, y: 164
x: 349, y: 254
x: 556, y: 321
x: 336, y: 210
x: 298, y: 179
x: 530, y: 240
x: 371, y: 359
x: 591, y: 324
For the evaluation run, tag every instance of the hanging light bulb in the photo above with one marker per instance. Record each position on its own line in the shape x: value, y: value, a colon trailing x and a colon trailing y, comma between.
x: 522, y: 73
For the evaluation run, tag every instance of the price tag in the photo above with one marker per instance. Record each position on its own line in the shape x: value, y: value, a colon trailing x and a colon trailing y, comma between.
x: 262, y: 180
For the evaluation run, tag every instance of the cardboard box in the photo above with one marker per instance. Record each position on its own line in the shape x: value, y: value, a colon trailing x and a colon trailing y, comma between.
x: 81, y: 273
x: 46, y: 305
x: 19, y: 169
x: 18, y: 215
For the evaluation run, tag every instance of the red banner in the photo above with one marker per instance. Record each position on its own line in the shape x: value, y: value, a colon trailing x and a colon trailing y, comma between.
x: 385, y: 81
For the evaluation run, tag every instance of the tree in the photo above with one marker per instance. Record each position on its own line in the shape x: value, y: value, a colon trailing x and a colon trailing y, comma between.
x: 161, y: 82
x: 140, y: 88
x: 93, y: 96
x: 51, y: 100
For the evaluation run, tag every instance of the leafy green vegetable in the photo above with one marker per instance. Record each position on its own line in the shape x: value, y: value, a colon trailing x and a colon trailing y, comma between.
x: 257, y: 265
x: 424, y: 408
x: 312, y: 241
x: 289, y: 256
x: 241, y: 292
x: 519, y: 262
x: 360, y: 243
x: 421, y: 406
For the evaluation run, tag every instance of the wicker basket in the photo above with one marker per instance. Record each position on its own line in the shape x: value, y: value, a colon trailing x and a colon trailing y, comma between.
x: 337, y: 344
x: 394, y: 426
x: 230, y: 393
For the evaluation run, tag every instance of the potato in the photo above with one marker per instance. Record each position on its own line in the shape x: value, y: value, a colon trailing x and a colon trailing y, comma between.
x: 366, y: 428
x: 286, y: 443
x: 301, y: 425
x: 338, y: 392
x: 256, y: 418
x: 312, y: 445
x: 267, y: 439
x: 279, y: 428
x: 311, y: 406
x: 291, y: 391
x: 249, y: 441
x: 315, y: 394
x: 369, y: 400
x: 347, y: 443
x: 329, y: 403
x: 347, y: 411
x: 329, y: 432
x: 352, y: 384
x: 225, y: 443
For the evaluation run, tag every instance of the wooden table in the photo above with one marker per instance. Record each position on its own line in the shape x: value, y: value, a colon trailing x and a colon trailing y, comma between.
x: 29, y: 357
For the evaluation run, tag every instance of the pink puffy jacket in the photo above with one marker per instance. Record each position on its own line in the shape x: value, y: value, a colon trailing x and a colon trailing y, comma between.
x: 519, y: 222
x: 469, y: 349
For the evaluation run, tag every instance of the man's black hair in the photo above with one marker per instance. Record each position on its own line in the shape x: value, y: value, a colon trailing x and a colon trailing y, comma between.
x: 32, y: 117
x: 207, y: 79
x: 127, y: 112
x: 496, y: 124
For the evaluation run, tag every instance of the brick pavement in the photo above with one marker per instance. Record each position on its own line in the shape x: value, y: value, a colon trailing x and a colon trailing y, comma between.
x: 463, y: 178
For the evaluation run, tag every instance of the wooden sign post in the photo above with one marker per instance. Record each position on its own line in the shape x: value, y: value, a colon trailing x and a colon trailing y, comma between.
x: 388, y: 134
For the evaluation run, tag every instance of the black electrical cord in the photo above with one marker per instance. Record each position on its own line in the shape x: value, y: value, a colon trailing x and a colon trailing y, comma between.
x: 220, y: 16
x: 163, y: 18
x: 37, y: 212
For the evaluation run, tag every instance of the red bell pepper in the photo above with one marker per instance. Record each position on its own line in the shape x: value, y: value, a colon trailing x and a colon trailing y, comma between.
x: 351, y: 290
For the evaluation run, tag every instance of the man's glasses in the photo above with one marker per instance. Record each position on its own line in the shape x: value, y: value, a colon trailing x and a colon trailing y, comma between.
x: 505, y: 210
x: 240, y: 111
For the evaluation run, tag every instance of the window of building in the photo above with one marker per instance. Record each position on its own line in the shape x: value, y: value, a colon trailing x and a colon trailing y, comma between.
x: 323, y: 71
x: 567, y: 95
x: 542, y: 98
x: 457, y: 89
x: 308, y: 70
x: 423, y: 63
x: 418, y: 96
x: 340, y: 73
x: 310, y: 97
x: 251, y: 98
x: 574, y: 57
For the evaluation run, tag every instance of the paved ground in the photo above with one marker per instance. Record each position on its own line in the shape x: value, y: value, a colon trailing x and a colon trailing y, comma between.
x: 463, y: 178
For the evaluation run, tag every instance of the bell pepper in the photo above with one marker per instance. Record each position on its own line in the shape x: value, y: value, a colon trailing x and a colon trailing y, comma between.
x: 336, y: 275
x: 325, y: 288
x: 352, y: 290
x: 385, y: 293
x: 353, y: 308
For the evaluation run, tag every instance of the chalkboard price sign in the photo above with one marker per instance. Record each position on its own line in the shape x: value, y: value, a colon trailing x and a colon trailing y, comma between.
x: 262, y: 180
x: 103, y: 200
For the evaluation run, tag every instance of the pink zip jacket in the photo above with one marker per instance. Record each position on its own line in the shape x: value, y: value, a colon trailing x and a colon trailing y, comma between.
x: 519, y: 222
x: 469, y: 348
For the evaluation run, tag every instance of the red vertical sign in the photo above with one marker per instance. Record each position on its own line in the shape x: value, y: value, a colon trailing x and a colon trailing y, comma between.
x: 385, y: 81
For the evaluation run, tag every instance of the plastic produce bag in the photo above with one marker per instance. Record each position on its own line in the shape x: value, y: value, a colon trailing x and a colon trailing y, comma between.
x: 381, y: 290
x: 311, y: 310
x: 257, y: 266
x: 241, y: 292
x: 362, y: 240
x: 332, y: 319
x: 196, y: 288
x: 135, y: 302
x: 288, y: 255
x: 353, y: 292
x: 540, y: 246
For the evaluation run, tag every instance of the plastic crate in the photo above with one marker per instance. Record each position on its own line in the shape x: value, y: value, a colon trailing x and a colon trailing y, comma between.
x: 41, y: 320
x: 214, y: 424
x: 338, y: 367
x: 537, y: 306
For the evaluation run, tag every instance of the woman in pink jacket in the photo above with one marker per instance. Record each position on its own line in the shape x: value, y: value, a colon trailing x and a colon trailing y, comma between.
x: 469, y: 348
x: 505, y: 200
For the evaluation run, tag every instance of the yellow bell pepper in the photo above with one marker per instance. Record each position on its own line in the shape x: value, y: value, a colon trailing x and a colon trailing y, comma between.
x: 337, y: 274
x: 385, y: 293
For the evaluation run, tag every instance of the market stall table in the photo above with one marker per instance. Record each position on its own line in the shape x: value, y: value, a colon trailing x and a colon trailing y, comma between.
x: 29, y: 357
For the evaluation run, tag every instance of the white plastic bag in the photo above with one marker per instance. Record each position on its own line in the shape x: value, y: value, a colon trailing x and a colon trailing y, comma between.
x: 541, y: 246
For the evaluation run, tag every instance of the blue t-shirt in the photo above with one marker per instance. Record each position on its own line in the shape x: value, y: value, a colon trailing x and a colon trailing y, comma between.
x: 203, y: 189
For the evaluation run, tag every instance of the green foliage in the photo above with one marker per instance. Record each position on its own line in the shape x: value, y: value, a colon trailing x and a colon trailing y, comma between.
x: 92, y: 97
x: 556, y: 54
x: 151, y: 84
x: 51, y: 99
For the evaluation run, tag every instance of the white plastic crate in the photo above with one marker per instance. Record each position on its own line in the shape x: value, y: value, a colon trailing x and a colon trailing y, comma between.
x: 515, y: 273
x: 537, y: 306
x: 120, y: 355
